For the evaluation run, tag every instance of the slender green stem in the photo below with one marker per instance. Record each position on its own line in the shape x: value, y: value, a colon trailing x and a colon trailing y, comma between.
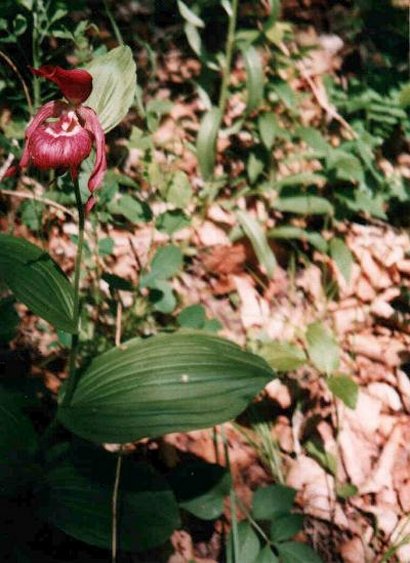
x: 36, y: 62
x: 230, y: 40
x: 232, y: 498
x: 113, y: 23
x: 114, y: 540
x: 72, y: 375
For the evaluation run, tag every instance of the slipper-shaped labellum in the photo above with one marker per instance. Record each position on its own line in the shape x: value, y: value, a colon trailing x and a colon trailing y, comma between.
x: 62, y: 134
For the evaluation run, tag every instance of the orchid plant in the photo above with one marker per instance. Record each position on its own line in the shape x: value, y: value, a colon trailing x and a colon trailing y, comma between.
x: 143, y: 389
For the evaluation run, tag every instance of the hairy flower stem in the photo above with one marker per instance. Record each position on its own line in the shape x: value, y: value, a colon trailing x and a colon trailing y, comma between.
x: 230, y: 40
x: 72, y: 375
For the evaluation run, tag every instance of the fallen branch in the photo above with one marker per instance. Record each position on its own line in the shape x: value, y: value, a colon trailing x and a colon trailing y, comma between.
x: 45, y: 201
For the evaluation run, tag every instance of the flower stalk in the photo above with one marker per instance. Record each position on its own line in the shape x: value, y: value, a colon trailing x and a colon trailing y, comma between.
x: 230, y: 41
x: 72, y: 374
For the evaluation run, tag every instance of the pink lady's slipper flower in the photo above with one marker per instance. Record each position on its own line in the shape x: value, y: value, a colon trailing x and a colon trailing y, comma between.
x: 62, y: 134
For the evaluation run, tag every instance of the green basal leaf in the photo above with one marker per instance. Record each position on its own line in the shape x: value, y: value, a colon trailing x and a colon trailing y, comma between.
x: 18, y: 444
x: 37, y: 281
x: 114, y: 86
x: 78, y: 500
x: 167, y: 383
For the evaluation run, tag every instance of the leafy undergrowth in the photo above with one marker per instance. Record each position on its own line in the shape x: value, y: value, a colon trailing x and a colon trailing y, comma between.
x: 271, y: 211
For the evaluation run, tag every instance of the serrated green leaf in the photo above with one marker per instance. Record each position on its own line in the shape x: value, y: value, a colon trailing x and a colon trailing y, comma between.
x: 257, y: 237
x: 37, y: 281
x: 167, y: 383
x: 114, y: 86
x: 323, y: 348
x: 206, y: 142
x: 283, y: 356
x: 342, y: 256
x: 255, y: 77
x: 343, y: 387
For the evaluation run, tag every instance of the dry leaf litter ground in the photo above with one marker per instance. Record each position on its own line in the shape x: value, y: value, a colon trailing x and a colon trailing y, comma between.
x: 371, y: 442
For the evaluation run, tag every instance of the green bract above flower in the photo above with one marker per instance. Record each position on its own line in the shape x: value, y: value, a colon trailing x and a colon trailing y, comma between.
x: 114, y: 86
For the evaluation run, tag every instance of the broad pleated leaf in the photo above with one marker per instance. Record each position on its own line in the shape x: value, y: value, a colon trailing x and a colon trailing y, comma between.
x: 114, y: 86
x: 18, y: 443
x: 167, y: 383
x: 37, y: 281
x: 78, y: 500
x: 256, y: 235
x: 206, y: 142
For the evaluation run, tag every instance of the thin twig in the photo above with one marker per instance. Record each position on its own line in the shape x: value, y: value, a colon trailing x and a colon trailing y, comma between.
x: 230, y: 41
x: 325, y: 105
x: 45, y: 201
x: 24, y: 85
x: 114, y: 540
x: 6, y: 165
x: 118, y: 323
x: 115, y: 27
